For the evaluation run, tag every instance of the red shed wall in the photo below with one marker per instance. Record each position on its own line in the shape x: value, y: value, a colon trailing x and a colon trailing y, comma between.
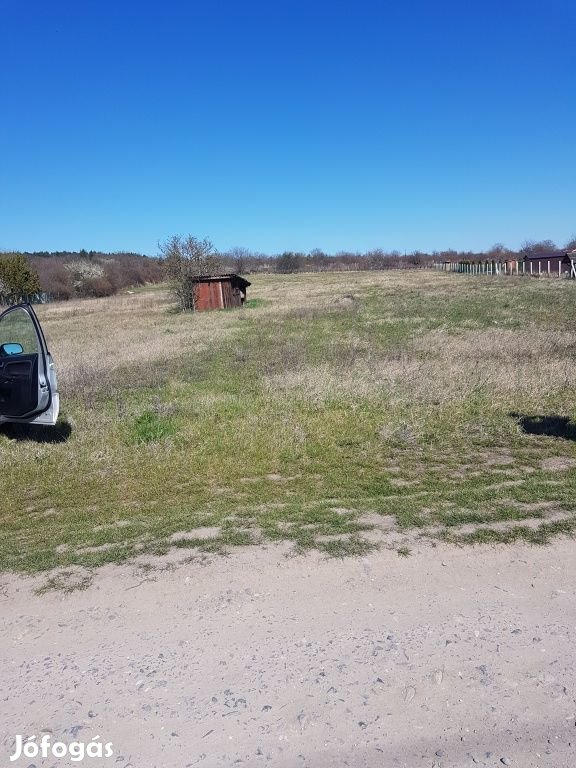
x: 216, y: 294
x: 209, y: 295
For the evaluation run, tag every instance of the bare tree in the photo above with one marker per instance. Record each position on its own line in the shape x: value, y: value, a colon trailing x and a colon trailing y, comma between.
x: 498, y: 250
x: 187, y: 259
x: 532, y: 248
x: 240, y: 258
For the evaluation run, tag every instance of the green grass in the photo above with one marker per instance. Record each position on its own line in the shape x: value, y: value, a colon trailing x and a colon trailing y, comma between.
x: 403, y: 552
x: 254, y: 303
x: 150, y: 427
x: 311, y: 419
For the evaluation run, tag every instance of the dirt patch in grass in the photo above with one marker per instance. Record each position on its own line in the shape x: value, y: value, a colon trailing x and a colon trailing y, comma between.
x: 378, y: 521
x: 496, y: 457
x: 94, y: 550
x: 558, y: 463
x: 196, y: 533
x: 503, y: 484
x: 533, y: 523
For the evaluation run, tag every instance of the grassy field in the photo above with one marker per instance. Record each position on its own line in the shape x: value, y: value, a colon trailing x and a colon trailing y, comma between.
x: 340, y: 412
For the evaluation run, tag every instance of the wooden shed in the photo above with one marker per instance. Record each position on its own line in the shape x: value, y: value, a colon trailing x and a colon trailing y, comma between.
x: 219, y: 291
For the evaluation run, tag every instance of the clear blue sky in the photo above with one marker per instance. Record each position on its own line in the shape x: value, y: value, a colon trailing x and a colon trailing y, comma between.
x: 287, y: 125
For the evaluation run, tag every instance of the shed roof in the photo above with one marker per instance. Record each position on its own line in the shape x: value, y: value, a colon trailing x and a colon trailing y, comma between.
x: 546, y: 256
x: 232, y: 276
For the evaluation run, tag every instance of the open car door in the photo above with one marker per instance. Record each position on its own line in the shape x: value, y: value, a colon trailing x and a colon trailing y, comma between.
x: 28, y: 383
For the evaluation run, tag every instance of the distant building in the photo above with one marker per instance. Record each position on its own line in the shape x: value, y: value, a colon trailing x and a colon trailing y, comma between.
x: 553, y: 263
x: 219, y: 292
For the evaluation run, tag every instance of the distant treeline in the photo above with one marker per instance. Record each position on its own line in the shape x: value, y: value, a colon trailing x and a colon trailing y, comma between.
x: 70, y: 274
x: 82, y: 274
x: 243, y: 260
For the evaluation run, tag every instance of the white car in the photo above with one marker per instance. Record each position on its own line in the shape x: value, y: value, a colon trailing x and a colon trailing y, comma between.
x: 28, y: 383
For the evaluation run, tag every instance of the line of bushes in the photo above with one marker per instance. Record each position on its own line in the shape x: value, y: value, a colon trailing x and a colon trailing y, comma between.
x: 76, y: 275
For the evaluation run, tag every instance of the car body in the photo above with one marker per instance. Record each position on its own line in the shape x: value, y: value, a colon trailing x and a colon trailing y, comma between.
x: 28, y: 381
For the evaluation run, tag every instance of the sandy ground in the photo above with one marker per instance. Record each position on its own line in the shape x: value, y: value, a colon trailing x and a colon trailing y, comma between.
x: 450, y: 657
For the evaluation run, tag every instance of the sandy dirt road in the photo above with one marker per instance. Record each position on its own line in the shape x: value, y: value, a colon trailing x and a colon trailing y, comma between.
x: 450, y: 657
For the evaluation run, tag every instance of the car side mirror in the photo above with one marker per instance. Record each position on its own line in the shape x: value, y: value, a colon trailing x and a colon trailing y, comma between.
x: 11, y: 349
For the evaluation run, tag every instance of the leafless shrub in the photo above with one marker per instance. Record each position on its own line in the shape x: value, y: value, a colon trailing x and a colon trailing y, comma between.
x: 188, y: 258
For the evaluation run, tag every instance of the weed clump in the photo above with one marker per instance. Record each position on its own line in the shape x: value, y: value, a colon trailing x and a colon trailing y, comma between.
x: 151, y: 427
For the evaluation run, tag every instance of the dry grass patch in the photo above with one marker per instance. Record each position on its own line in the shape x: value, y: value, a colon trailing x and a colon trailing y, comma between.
x: 99, y: 342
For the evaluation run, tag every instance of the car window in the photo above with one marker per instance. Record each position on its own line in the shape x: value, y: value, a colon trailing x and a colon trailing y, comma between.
x: 16, y: 327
